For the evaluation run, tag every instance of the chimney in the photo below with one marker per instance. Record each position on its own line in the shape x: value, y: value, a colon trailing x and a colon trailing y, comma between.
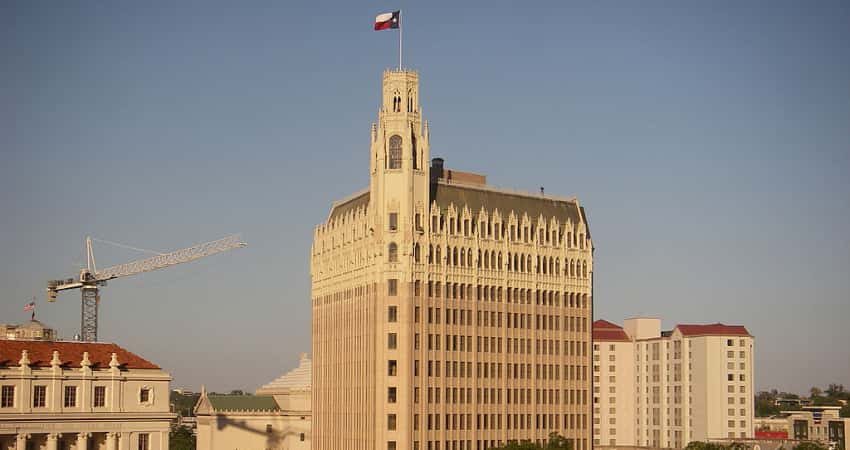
x: 436, y: 168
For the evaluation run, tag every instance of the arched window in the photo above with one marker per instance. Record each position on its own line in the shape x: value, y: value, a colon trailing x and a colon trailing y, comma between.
x: 396, y: 102
x: 469, y: 257
x: 431, y: 254
x: 584, y: 269
x: 416, y: 252
x: 413, y: 153
x: 395, y: 152
x: 437, y: 257
x: 392, y: 252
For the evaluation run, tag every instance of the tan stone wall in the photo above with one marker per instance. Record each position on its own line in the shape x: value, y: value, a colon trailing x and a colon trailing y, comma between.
x: 250, y: 431
x: 116, y: 426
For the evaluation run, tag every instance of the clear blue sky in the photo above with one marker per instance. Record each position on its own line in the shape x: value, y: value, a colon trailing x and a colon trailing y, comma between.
x: 709, y: 141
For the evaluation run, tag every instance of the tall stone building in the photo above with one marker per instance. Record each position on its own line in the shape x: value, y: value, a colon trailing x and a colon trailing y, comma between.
x: 447, y: 314
x: 665, y: 389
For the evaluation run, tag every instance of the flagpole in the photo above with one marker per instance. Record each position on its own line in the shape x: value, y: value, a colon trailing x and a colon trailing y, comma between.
x: 400, y: 28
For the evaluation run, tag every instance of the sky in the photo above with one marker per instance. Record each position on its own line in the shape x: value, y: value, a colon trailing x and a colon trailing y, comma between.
x: 709, y: 142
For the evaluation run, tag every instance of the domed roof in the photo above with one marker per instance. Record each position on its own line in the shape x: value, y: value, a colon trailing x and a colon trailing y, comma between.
x: 33, y: 325
x: 299, y: 378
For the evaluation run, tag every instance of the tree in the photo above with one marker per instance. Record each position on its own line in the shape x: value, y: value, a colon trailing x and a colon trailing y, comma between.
x: 181, y: 438
x: 815, y: 391
x: 809, y: 445
x: 558, y: 442
x: 835, y: 390
x: 698, y: 445
x: 845, y: 410
x: 514, y: 445
x: 766, y: 404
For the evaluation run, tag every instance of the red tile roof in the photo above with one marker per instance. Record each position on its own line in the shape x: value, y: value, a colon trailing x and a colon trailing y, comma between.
x: 607, y: 331
x: 40, y: 353
x: 714, y: 329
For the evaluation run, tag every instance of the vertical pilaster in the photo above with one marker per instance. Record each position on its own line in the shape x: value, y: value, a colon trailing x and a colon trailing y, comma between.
x: 21, y: 441
x: 53, y: 441
x: 83, y: 440
x: 111, y: 437
x: 123, y: 440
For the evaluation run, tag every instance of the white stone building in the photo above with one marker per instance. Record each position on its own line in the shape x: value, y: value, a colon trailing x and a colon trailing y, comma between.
x: 74, y: 395
x: 666, y: 389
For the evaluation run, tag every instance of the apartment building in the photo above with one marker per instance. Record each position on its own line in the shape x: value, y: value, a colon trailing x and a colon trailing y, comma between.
x: 692, y: 383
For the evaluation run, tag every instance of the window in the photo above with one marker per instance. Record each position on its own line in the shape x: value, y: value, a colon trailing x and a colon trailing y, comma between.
x: 144, y: 395
x: 70, y: 397
x: 391, y: 445
x: 392, y: 367
x: 729, y: 342
x: 393, y: 222
x: 392, y: 314
x: 395, y: 152
x: 392, y: 287
x: 7, y: 397
x: 392, y: 252
x: 269, y: 429
x: 144, y: 441
x: 392, y: 341
x: 99, y: 400
x: 39, y: 396
x: 730, y: 377
x: 392, y: 394
x: 391, y: 422
x: 301, y: 437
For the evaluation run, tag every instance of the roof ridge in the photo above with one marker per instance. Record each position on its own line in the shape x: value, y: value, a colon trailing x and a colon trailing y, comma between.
x: 508, y: 191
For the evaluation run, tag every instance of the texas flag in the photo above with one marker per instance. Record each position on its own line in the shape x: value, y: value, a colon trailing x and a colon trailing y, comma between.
x: 387, y: 21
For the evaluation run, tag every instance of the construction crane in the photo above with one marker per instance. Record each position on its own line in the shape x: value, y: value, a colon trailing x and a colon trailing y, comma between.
x: 91, y: 279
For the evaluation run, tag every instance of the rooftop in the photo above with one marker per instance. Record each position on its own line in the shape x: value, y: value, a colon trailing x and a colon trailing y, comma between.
x: 299, y: 378
x: 714, y: 329
x: 70, y: 354
x: 609, y: 332
x: 242, y: 403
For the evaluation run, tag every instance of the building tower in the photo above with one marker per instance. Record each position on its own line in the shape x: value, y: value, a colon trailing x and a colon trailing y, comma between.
x: 447, y: 314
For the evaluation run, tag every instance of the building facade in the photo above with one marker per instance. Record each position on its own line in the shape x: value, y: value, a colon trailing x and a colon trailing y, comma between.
x: 63, y: 395
x: 810, y: 423
x: 29, y: 331
x: 447, y: 314
x: 277, y: 417
x: 693, y: 383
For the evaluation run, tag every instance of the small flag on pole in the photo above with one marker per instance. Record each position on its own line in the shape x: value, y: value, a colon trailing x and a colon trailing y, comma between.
x: 29, y: 306
x: 387, y: 21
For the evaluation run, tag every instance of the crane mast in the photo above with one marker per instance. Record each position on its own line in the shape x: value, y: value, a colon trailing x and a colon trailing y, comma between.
x: 90, y: 279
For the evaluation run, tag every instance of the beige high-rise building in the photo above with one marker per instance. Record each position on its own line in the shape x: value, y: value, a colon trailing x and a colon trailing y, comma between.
x: 666, y: 389
x: 447, y: 314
